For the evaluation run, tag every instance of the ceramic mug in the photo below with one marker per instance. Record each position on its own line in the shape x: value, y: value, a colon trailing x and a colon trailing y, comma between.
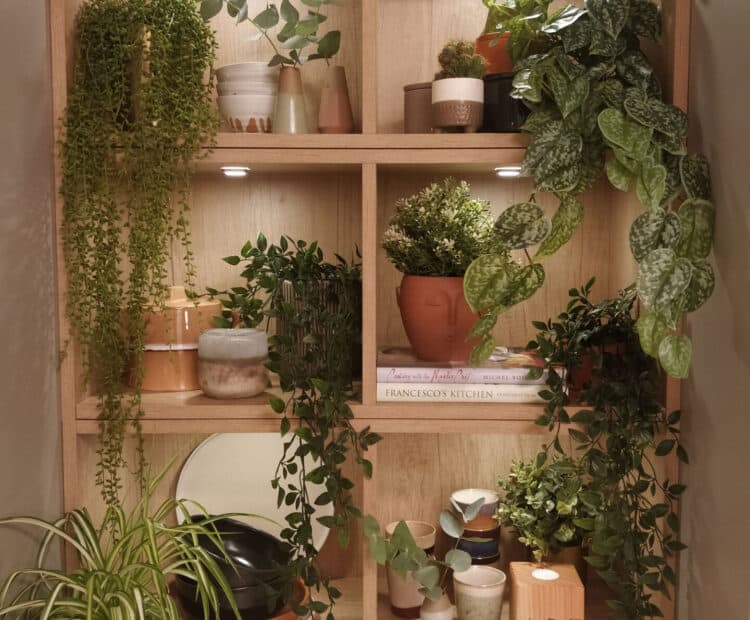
x: 463, y: 498
x: 479, y: 593
x: 404, y: 591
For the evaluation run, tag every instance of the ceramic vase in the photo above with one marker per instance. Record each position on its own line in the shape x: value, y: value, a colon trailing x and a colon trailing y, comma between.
x: 335, y: 114
x: 437, y: 610
x: 479, y: 593
x: 436, y: 317
x: 458, y: 104
x: 231, y: 363
x: 290, y: 115
x: 247, y: 96
x: 403, y: 592
x: 418, y: 108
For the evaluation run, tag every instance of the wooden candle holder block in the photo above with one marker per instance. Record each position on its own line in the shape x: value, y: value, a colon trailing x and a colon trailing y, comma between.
x: 536, y: 599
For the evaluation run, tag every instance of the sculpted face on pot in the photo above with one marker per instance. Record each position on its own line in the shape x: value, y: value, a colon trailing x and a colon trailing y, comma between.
x: 436, y: 317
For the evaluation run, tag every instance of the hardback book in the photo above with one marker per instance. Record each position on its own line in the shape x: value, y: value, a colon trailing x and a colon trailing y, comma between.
x: 458, y: 393
x: 505, y: 366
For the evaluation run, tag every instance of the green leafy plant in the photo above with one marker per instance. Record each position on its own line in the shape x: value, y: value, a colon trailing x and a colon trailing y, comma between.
x: 439, y: 231
x: 546, y: 502
x: 458, y: 60
x: 619, y: 437
x: 139, y: 111
x: 318, y: 305
x: 597, y: 107
x: 297, y: 33
x: 125, y: 564
x: 522, y: 19
x: 404, y: 556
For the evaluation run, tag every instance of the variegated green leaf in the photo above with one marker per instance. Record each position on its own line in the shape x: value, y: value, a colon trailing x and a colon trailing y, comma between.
x: 610, y: 15
x: 697, y: 225
x: 651, y: 112
x: 675, y: 353
x: 701, y: 287
x: 673, y: 182
x: 604, y: 44
x: 483, y: 326
x: 539, y: 119
x: 696, y: 176
x: 553, y: 158
x: 613, y: 93
x: 619, y: 175
x: 654, y: 229
x: 646, y: 20
x: 571, y: 68
x: 652, y: 329
x: 569, y: 93
x: 521, y: 226
x: 630, y: 164
x: 564, y: 223
x: 563, y: 19
x: 481, y: 352
x: 628, y: 135
x: 650, y: 185
x: 592, y: 165
x: 527, y: 85
x: 671, y: 144
x: 635, y: 69
x: 527, y: 281
x: 486, y: 280
x: 663, y: 277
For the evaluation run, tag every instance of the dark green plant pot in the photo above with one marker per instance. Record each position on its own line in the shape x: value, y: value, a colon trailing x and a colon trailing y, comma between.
x: 502, y: 113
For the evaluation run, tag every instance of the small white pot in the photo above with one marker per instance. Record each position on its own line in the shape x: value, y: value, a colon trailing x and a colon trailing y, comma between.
x: 248, y: 113
x: 458, y: 89
x: 437, y: 610
x: 458, y: 103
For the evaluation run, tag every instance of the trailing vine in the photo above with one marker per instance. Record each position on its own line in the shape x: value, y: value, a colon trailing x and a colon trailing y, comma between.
x: 139, y: 111
x: 315, y: 353
x: 597, y: 106
x: 619, y: 436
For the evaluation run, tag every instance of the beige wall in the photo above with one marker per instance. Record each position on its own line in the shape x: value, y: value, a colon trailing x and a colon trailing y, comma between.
x: 716, y: 513
x: 29, y: 427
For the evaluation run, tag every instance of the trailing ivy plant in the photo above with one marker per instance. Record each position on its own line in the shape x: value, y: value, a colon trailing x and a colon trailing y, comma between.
x: 317, y: 308
x: 139, y: 110
x: 297, y: 34
x: 597, y: 107
x: 619, y: 437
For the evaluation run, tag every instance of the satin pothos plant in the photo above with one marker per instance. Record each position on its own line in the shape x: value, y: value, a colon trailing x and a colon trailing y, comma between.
x: 597, y: 109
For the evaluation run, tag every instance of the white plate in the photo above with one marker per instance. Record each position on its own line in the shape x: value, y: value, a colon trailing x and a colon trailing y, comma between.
x: 232, y: 472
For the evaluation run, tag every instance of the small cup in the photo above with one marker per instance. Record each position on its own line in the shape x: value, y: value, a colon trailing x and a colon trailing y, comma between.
x: 231, y: 363
x: 479, y: 593
x: 463, y: 498
x: 404, y: 591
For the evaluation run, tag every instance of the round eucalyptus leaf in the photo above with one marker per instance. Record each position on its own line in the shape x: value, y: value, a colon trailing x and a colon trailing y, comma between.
x: 522, y: 225
x: 451, y: 525
x: 458, y: 560
x: 427, y: 576
x: 662, y: 279
x: 675, y: 353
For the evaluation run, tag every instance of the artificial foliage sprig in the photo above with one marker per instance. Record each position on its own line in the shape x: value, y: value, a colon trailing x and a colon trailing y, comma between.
x: 297, y: 33
x: 317, y: 309
x: 139, y: 111
x: 619, y: 438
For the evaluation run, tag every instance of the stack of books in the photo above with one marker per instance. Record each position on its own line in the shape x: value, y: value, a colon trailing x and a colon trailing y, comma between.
x: 504, y: 378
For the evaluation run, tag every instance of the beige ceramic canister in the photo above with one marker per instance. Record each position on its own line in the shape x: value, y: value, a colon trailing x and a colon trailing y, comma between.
x: 231, y: 363
x: 170, y: 355
x: 418, y: 108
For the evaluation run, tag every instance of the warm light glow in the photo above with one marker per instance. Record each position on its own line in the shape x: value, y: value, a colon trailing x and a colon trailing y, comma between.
x: 545, y: 574
x: 236, y: 172
x: 508, y: 172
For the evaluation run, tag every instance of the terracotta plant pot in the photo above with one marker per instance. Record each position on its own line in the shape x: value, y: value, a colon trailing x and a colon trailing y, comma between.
x: 458, y: 104
x: 436, y: 317
x: 335, y: 114
x: 497, y: 57
x: 418, y: 108
x: 290, y: 115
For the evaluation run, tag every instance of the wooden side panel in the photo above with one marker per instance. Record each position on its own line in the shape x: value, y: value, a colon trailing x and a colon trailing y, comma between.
x: 369, y: 281
x: 598, y: 248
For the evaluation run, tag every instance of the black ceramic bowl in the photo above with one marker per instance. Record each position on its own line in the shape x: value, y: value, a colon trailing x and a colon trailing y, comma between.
x: 255, y: 556
x: 252, y: 601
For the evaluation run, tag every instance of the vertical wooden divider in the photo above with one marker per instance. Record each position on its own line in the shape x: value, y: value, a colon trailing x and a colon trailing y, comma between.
x: 369, y: 281
x: 369, y: 567
x: 369, y: 66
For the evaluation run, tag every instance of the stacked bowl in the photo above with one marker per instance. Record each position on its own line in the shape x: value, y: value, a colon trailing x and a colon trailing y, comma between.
x: 253, y: 572
x: 481, y: 539
x: 247, y: 96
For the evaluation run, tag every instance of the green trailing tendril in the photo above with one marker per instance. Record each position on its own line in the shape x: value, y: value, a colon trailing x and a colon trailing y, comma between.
x: 139, y: 111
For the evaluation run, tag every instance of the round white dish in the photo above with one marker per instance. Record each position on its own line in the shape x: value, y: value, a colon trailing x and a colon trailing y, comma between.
x: 232, y: 472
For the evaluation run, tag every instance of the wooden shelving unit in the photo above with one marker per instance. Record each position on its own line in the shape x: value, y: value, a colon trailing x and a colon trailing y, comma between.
x: 340, y: 190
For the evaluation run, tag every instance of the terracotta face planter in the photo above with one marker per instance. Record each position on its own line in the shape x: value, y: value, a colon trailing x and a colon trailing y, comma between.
x: 436, y: 317
x: 494, y: 49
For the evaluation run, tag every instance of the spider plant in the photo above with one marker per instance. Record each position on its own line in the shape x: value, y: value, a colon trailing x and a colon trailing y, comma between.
x: 125, y: 565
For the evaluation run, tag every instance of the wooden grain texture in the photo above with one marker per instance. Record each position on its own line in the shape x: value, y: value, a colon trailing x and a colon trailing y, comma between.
x: 369, y: 281
x: 174, y: 449
x: 598, y: 248
x: 532, y: 599
x: 236, y: 44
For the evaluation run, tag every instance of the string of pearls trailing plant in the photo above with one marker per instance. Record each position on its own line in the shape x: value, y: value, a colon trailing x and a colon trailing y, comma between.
x: 597, y: 108
x: 138, y: 113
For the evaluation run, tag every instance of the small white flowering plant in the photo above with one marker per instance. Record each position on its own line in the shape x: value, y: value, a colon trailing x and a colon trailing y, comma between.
x: 439, y: 231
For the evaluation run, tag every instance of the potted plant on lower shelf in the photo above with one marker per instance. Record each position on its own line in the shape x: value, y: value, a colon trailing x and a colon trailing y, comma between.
x: 547, y: 504
x: 126, y: 565
x: 458, y: 89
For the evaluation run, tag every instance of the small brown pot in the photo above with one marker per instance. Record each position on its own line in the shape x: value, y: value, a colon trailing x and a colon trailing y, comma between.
x: 335, y: 114
x: 436, y: 317
x: 418, y: 108
x: 497, y: 57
